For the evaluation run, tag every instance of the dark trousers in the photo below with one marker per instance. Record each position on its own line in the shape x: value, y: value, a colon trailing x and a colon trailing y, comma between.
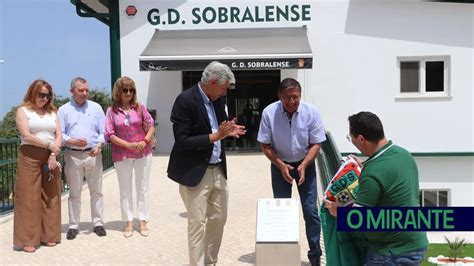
x: 308, y: 196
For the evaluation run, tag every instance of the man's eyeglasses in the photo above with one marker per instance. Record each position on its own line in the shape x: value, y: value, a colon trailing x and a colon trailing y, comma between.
x: 128, y: 90
x: 42, y: 95
x: 289, y: 98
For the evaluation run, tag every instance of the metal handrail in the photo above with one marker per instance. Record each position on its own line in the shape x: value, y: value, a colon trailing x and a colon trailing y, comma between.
x: 329, y: 159
x: 8, y: 165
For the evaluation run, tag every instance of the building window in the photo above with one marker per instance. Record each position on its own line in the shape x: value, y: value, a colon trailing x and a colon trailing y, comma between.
x: 410, y: 76
x: 424, y: 76
x: 433, y: 198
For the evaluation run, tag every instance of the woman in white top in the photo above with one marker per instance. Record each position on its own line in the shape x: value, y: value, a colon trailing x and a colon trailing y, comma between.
x: 37, y: 215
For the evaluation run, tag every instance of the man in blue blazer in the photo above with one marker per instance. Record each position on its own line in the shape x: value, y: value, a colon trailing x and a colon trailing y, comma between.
x: 197, y: 160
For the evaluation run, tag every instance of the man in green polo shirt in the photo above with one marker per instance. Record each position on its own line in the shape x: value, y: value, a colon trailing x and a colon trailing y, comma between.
x: 389, y: 178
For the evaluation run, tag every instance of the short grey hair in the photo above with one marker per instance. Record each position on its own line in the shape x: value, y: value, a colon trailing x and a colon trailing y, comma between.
x: 218, y: 71
x: 289, y: 83
x: 77, y: 79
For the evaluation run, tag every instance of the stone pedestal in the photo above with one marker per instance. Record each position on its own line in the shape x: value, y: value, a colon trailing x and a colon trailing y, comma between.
x: 277, y: 254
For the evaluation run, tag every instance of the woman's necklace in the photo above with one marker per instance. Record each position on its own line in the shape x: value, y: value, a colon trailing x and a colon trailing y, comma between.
x: 127, y: 116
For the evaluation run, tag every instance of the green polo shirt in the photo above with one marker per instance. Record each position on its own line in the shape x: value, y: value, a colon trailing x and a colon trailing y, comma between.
x: 390, y: 179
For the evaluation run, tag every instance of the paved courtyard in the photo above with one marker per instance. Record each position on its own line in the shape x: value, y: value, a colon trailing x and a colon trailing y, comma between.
x: 249, y: 180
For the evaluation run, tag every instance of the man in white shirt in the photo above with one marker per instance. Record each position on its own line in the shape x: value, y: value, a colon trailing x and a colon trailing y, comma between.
x: 82, y: 124
x: 290, y: 134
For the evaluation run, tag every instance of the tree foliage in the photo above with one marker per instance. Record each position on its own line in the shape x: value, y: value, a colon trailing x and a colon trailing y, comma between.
x: 101, y: 97
x: 60, y: 100
x: 8, y: 126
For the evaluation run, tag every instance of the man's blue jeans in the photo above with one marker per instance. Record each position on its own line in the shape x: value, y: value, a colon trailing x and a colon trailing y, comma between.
x: 308, y: 195
x: 408, y: 259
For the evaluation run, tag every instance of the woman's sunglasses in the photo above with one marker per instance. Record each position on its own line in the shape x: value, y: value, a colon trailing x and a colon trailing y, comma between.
x: 127, y: 119
x: 42, y: 95
x: 127, y: 90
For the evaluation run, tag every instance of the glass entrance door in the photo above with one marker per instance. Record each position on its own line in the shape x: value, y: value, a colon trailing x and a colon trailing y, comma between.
x: 254, y: 90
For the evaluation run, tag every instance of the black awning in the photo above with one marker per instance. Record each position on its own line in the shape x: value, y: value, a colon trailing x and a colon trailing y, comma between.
x: 241, y: 49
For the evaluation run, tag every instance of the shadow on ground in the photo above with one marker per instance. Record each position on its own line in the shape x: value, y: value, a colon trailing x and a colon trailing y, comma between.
x: 251, y: 259
x: 88, y: 227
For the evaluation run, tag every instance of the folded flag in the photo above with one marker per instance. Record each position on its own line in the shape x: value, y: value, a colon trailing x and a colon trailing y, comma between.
x: 344, y: 184
x: 342, y: 248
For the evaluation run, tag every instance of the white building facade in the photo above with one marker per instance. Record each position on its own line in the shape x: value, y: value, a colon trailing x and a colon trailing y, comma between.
x: 410, y: 62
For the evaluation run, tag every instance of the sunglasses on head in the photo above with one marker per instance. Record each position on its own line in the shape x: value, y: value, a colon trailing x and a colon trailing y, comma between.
x: 42, y: 95
x: 128, y: 90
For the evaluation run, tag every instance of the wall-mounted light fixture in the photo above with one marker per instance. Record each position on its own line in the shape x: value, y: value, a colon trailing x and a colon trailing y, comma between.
x: 131, y: 11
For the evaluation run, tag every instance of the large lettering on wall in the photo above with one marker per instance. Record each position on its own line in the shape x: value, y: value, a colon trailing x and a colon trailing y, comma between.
x: 231, y: 14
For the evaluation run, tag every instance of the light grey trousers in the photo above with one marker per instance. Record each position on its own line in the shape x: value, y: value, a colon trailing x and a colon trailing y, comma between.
x: 206, y: 205
x: 80, y: 164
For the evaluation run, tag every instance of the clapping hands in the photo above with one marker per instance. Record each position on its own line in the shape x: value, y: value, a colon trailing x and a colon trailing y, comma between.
x: 231, y: 129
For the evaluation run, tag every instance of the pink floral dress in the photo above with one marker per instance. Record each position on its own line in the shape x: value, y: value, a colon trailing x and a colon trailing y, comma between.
x: 129, y: 126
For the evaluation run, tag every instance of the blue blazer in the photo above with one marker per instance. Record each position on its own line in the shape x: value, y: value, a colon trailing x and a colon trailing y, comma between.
x: 192, y: 149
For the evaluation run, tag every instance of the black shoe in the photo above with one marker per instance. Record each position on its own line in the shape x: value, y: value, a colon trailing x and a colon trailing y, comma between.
x: 71, y: 234
x: 316, y: 261
x: 100, y: 230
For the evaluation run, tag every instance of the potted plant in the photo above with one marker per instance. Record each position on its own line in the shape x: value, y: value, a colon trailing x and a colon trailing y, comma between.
x: 455, y: 250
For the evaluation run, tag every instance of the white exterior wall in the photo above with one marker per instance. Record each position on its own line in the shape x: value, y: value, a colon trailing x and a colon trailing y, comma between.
x: 454, y: 174
x: 355, y: 46
x: 159, y: 89
x: 355, y: 69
